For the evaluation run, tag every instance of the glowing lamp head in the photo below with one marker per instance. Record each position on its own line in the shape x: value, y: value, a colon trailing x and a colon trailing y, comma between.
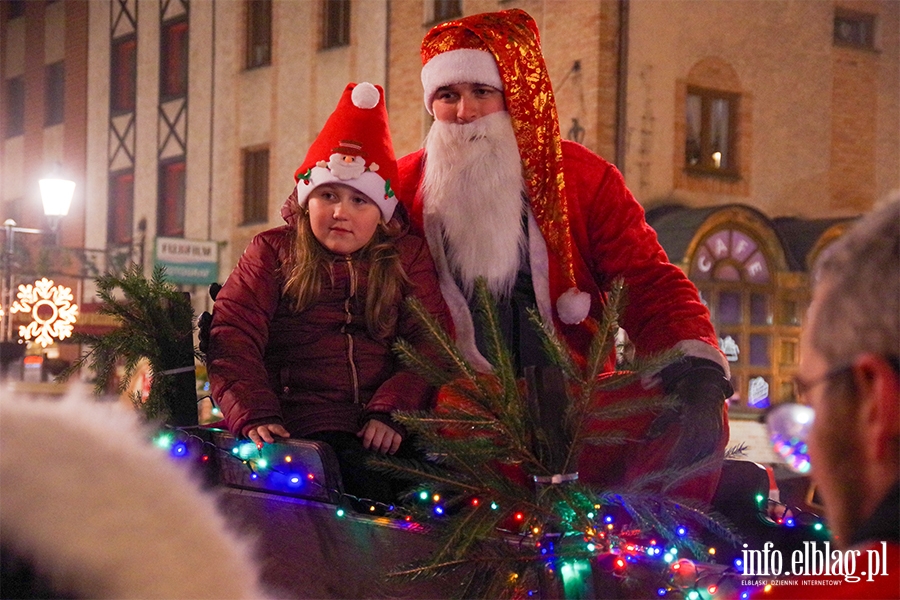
x: 56, y: 195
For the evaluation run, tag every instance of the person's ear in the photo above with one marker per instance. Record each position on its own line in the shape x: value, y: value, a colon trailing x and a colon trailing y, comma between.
x: 878, y: 390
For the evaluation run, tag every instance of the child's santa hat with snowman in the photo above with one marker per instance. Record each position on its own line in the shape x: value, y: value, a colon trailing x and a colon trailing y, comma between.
x: 503, y: 50
x: 354, y: 148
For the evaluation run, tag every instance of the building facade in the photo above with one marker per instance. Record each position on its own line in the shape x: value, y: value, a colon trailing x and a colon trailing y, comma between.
x: 752, y: 132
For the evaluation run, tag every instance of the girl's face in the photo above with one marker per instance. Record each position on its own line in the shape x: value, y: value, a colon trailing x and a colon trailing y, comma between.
x: 342, y: 218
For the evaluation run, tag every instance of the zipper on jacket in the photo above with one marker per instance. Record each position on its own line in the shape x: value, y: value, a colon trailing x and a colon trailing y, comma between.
x: 348, y: 317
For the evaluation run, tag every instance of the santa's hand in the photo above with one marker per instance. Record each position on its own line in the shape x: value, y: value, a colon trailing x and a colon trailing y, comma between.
x: 266, y: 433
x: 380, y: 437
x: 701, y: 387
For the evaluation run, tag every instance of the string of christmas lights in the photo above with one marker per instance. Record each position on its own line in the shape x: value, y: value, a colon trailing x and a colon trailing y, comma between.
x: 773, y: 512
x: 605, y: 543
x: 272, y: 467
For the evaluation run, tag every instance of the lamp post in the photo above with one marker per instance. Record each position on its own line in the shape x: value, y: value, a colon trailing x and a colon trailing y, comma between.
x: 56, y: 195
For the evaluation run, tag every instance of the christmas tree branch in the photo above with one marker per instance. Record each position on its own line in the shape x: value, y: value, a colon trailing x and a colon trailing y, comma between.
x: 442, y: 341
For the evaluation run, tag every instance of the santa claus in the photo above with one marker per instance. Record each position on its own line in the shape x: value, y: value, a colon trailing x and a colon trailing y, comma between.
x: 549, y: 225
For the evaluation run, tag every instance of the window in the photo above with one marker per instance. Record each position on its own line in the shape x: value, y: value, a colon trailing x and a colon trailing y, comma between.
x: 121, y: 208
x: 710, y: 118
x: 14, y: 8
x: 54, y: 93
x: 336, y: 25
x: 854, y: 29
x: 259, y: 33
x: 445, y: 10
x: 12, y: 209
x: 256, y: 186
x: 733, y: 276
x: 170, y: 213
x: 15, y: 106
x: 173, y: 72
x: 123, y: 75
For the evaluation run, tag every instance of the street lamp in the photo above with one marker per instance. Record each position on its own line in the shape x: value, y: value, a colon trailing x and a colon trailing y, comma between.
x: 56, y: 195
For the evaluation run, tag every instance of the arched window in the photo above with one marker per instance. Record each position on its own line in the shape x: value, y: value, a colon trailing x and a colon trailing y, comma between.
x: 733, y: 270
x: 754, y: 274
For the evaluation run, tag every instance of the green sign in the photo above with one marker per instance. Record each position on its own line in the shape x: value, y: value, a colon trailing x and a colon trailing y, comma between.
x: 189, y: 262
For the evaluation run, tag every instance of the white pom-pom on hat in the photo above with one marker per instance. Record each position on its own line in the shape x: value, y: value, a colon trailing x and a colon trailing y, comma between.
x: 573, y: 306
x: 365, y: 95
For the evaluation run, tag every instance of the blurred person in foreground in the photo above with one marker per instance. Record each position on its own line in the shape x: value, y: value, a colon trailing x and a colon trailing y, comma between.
x: 848, y: 374
x: 89, y: 508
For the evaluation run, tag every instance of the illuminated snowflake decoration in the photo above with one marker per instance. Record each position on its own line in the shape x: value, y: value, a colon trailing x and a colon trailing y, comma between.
x: 52, y: 312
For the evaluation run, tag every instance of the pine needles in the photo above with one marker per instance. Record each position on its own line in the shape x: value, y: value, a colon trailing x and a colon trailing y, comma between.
x: 504, y: 455
x: 155, y: 323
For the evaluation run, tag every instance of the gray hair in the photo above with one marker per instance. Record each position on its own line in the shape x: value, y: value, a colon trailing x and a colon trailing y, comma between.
x: 859, y: 308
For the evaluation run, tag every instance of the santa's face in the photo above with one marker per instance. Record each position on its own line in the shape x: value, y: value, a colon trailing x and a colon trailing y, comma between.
x: 465, y: 102
x: 342, y: 218
x: 346, y: 166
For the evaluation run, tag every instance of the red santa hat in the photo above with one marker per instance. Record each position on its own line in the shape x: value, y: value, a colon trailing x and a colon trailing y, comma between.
x: 503, y: 50
x: 354, y: 148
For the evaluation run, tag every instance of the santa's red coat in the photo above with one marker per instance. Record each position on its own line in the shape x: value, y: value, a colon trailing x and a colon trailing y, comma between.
x: 611, y: 239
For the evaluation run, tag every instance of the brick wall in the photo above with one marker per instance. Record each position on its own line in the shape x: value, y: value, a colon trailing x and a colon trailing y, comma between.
x: 854, y: 122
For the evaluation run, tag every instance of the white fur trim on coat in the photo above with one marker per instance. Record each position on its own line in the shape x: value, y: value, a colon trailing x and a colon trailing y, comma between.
x: 456, y: 301
x: 539, y: 261
x: 465, y: 65
x: 101, y: 513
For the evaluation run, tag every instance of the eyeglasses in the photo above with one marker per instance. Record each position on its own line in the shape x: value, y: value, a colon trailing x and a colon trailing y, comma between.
x: 802, y: 388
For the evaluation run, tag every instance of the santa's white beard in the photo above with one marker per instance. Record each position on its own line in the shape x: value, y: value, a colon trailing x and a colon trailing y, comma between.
x: 473, y: 187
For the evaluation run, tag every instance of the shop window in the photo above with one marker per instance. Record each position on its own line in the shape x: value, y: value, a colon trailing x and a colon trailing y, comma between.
x: 15, y: 106
x: 759, y: 350
x: 788, y: 352
x: 256, y: 186
x: 170, y: 209
x: 710, y: 122
x: 732, y: 272
x: 54, y: 93
x: 173, y: 56
x: 259, y: 34
x: 121, y: 208
x: 123, y: 75
x: 854, y: 29
x: 336, y: 23
x: 759, y: 310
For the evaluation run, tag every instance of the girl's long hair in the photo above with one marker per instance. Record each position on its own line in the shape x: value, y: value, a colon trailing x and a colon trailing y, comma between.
x: 387, y: 280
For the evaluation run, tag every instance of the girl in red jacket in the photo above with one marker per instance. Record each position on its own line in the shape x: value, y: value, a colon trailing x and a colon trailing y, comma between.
x: 302, y: 331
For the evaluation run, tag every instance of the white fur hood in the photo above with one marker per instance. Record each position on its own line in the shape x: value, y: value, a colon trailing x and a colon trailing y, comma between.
x: 101, y: 513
